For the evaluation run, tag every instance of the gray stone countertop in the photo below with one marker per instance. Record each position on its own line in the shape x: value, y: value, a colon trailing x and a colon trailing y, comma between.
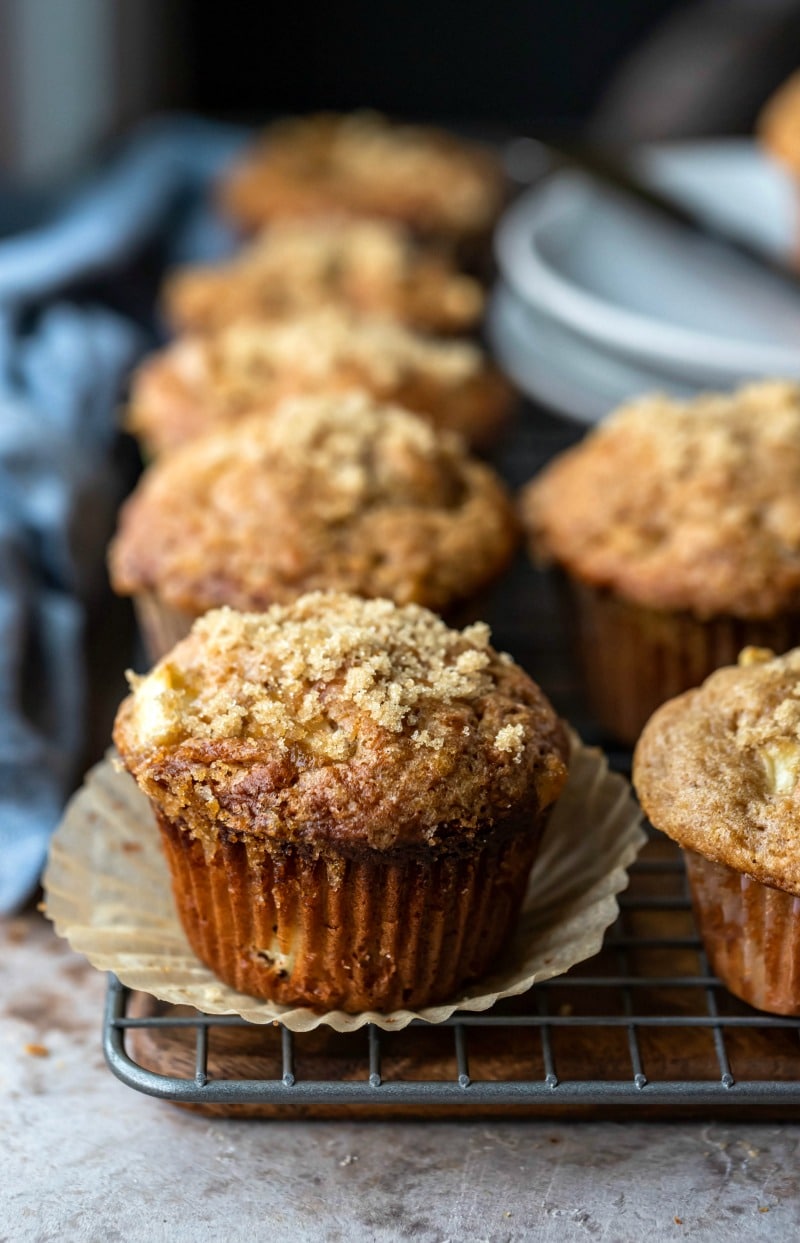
x: 86, y: 1158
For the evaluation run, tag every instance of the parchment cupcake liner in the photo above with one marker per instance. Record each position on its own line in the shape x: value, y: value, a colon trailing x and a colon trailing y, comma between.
x: 751, y: 934
x: 347, y: 930
x: 162, y: 626
x: 107, y: 890
x: 633, y: 659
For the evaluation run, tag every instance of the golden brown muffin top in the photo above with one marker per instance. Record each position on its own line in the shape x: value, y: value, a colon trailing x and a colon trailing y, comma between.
x: 779, y: 123
x: 199, y: 383
x: 337, y: 718
x: 362, y: 163
x: 718, y: 768
x: 682, y: 505
x: 296, y: 266
x: 330, y: 492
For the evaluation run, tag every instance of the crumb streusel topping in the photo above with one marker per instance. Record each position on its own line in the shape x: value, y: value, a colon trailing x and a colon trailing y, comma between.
x: 363, y: 162
x: 718, y: 768
x: 301, y: 711
x: 297, y: 266
x: 247, y: 354
x: 682, y: 505
x: 388, y: 662
x: 324, y: 252
x: 200, y: 382
x: 330, y: 492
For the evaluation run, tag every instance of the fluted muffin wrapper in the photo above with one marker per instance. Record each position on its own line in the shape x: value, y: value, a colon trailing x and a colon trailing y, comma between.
x: 161, y: 625
x: 751, y: 934
x: 371, y: 930
x: 108, y: 892
x: 633, y: 659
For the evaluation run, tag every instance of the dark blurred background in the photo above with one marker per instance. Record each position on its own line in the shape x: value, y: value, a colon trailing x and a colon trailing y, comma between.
x: 74, y: 74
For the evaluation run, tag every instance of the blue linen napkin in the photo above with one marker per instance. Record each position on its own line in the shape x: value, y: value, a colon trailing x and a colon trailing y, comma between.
x: 63, y: 364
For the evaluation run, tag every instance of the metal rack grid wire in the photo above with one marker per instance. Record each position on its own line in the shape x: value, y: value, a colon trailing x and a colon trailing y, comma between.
x: 684, y: 1036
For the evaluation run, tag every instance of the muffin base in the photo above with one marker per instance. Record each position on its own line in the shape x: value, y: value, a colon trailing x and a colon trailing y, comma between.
x: 633, y: 658
x: 358, y: 931
x: 751, y: 933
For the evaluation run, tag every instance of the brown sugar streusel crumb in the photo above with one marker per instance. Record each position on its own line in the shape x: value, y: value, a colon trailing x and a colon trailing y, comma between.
x: 199, y: 383
x: 350, y: 715
x: 362, y: 162
x: 317, y: 342
x: 330, y: 492
x: 294, y: 267
x: 390, y: 663
x: 682, y: 505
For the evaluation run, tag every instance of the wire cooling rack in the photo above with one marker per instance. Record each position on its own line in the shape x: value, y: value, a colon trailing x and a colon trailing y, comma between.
x: 642, y: 1023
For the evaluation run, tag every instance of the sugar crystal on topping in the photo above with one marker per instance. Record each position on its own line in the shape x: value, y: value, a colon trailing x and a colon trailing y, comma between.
x: 279, y: 672
x: 511, y: 740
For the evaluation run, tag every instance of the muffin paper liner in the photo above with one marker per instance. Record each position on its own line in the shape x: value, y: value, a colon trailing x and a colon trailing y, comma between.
x: 633, y: 658
x: 378, y: 931
x: 108, y: 891
x: 751, y: 934
x: 161, y: 625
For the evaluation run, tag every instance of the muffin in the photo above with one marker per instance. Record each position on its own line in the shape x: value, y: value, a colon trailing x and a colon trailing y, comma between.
x: 350, y: 797
x: 334, y: 492
x: 201, y: 383
x: 368, y: 265
x: 361, y: 165
x: 676, y: 526
x: 717, y: 769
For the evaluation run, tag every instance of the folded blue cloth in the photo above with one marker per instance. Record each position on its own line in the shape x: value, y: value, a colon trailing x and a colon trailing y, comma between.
x: 63, y: 364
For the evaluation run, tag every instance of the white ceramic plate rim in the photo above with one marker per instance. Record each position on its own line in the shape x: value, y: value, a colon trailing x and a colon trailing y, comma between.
x: 526, y: 270
x: 549, y: 364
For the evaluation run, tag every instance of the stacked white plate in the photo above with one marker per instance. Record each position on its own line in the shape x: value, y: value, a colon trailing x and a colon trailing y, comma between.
x: 598, y: 300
